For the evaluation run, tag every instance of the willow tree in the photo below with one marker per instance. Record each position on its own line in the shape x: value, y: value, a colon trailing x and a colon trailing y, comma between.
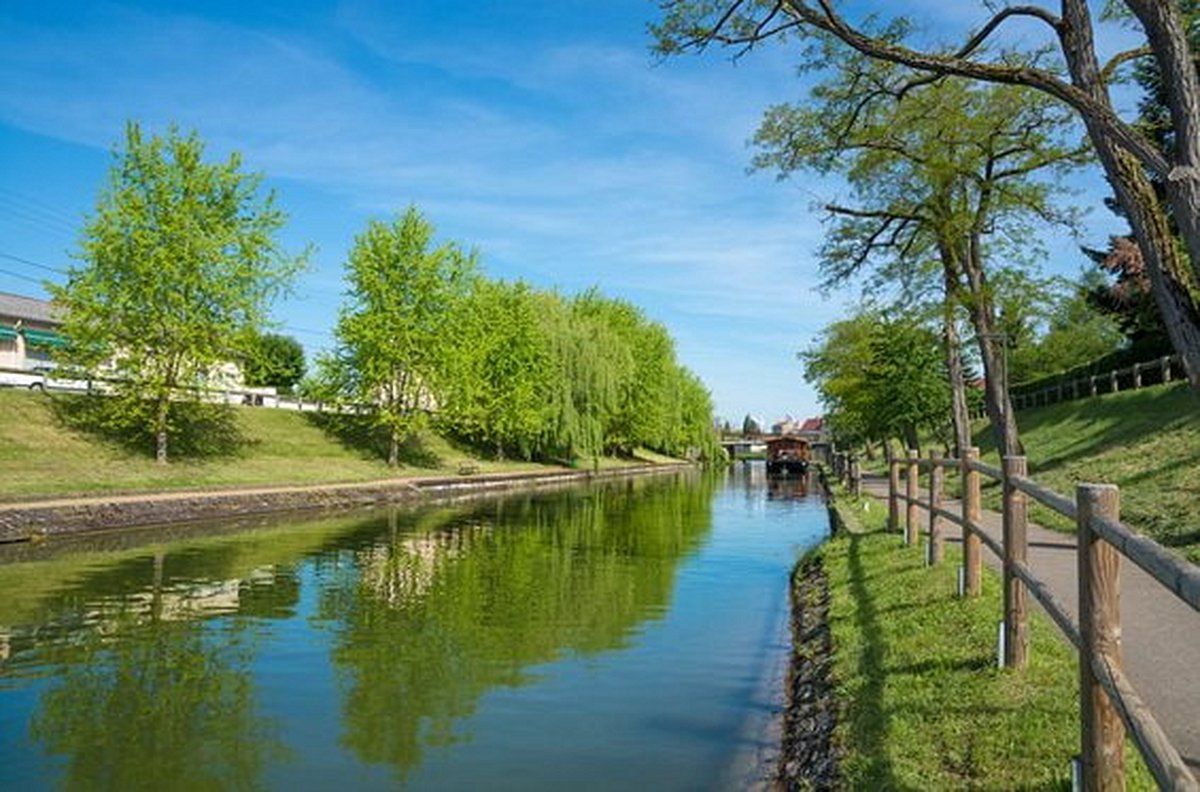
x: 946, y: 173
x: 1130, y: 157
x: 180, y: 265
x: 500, y: 366
x: 394, y: 332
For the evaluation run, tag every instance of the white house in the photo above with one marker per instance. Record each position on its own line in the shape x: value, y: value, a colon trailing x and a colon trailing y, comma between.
x: 28, y: 332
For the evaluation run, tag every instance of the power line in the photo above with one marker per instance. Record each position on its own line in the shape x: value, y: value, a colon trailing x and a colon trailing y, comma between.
x: 31, y: 263
x: 33, y: 218
x: 39, y: 206
x: 19, y: 275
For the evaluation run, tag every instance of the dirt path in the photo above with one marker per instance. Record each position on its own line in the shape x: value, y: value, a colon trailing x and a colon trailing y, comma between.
x: 1160, y: 634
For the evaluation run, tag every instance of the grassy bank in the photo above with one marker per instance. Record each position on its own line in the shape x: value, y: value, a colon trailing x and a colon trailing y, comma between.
x: 40, y: 456
x: 1147, y: 442
x: 922, y: 704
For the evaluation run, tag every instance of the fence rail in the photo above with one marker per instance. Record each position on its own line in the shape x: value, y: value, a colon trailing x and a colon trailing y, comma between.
x: 1139, y: 375
x: 1110, y: 706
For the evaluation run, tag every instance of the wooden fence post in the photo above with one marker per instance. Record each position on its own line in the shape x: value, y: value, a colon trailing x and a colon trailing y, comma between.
x: 1166, y: 368
x: 1103, y: 733
x: 911, y: 479
x: 1092, y: 383
x: 1016, y: 624
x: 1137, y: 375
x: 855, y: 476
x: 937, y: 482
x: 1114, y: 386
x: 893, y: 491
x: 972, y: 549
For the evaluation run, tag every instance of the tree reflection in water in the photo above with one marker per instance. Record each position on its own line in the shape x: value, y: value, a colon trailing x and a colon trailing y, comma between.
x: 145, y: 698
x: 446, y: 609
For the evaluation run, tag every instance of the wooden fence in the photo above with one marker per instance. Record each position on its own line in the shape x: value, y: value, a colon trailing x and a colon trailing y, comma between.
x: 1109, y: 704
x: 1132, y: 377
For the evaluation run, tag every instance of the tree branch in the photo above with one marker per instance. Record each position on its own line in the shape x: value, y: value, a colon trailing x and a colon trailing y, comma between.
x: 827, y: 19
x: 990, y: 26
x: 1116, y: 61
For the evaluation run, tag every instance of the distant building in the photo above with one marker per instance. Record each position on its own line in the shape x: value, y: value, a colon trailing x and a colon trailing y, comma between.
x: 812, y: 430
x: 28, y: 332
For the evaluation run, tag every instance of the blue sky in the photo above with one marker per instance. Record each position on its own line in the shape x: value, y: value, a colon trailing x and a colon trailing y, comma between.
x: 542, y: 133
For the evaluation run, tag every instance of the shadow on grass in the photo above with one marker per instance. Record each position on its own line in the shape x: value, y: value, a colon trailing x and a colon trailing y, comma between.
x: 870, y: 724
x: 358, y: 433
x: 1111, y: 419
x: 198, y: 430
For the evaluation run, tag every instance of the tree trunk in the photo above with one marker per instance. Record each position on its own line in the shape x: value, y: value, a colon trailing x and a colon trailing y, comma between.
x: 911, y: 440
x: 959, y: 413
x: 1169, y: 275
x: 1168, y: 38
x: 161, y: 417
x: 995, y: 393
x: 394, y: 447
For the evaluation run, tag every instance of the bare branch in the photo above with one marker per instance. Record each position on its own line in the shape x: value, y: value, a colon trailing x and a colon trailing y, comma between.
x: 1116, y: 61
x: 1092, y: 108
x: 876, y: 214
x: 1030, y: 11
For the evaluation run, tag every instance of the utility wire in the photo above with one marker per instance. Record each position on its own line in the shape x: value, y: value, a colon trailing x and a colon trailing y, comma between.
x: 37, y: 264
x: 19, y: 275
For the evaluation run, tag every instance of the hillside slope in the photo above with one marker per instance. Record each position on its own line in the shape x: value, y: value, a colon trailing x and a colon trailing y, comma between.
x: 39, y: 456
x: 1147, y: 442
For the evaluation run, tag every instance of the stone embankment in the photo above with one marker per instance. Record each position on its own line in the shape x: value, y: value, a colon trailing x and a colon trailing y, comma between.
x: 29, y: 520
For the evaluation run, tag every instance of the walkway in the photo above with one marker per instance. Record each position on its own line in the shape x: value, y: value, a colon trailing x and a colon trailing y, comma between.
x: 1160, y: 635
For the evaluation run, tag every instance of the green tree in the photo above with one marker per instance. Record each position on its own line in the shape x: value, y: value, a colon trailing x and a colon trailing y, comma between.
x: 880, y: 378
x: 944, y: 179
x: 1130, y: 155
x: 273, y: 360
x: 501, y: 369
x: 395, y: 332
x: 180, y: 263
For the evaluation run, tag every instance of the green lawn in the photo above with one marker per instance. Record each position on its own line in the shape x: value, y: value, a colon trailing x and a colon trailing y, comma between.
x: 922, y: 704
x: 39, y: 456
x: 1147, y: 442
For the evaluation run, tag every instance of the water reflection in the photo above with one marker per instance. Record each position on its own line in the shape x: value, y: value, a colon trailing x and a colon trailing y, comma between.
x: 429, y: 620
x: 144, y: 667
x: 783, y: 489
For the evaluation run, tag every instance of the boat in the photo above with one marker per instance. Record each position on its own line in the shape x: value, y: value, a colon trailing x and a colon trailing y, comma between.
x: 787, y: 457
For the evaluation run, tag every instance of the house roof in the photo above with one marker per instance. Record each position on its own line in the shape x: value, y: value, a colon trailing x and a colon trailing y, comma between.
x: 813, y: 425
x: 29, y: 308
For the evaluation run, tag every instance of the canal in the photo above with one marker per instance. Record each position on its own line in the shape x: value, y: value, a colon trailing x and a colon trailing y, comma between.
x: 625, y: 635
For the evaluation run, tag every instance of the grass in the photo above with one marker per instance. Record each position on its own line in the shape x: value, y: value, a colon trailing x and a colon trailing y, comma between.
x: 40, y: 456
x: 923, y: 705
x: 1147, y: 442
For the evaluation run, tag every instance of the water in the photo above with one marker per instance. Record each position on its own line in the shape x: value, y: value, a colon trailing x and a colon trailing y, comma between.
x: 621, y: 636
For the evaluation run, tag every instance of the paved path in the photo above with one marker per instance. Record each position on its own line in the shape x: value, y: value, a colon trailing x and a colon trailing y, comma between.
x: 1160, y: 634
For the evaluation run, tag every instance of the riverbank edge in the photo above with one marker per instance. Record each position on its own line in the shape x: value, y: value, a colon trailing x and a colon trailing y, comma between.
x: 808, y: 752
x: 29, y: 521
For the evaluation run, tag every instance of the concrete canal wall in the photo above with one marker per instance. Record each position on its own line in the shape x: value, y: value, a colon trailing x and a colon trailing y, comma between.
x: 25, y: 521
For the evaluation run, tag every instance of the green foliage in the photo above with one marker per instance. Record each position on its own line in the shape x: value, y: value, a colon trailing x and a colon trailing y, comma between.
x: 1075, y: 333
x: 879, y: 378
x: 518, y: 371
x: 180, y: 265
x: 274, y: 360
x: 394, y: 332
x: 500, y: 369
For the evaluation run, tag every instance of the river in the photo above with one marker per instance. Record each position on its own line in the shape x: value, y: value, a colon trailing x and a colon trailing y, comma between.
x: 625, y: 635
